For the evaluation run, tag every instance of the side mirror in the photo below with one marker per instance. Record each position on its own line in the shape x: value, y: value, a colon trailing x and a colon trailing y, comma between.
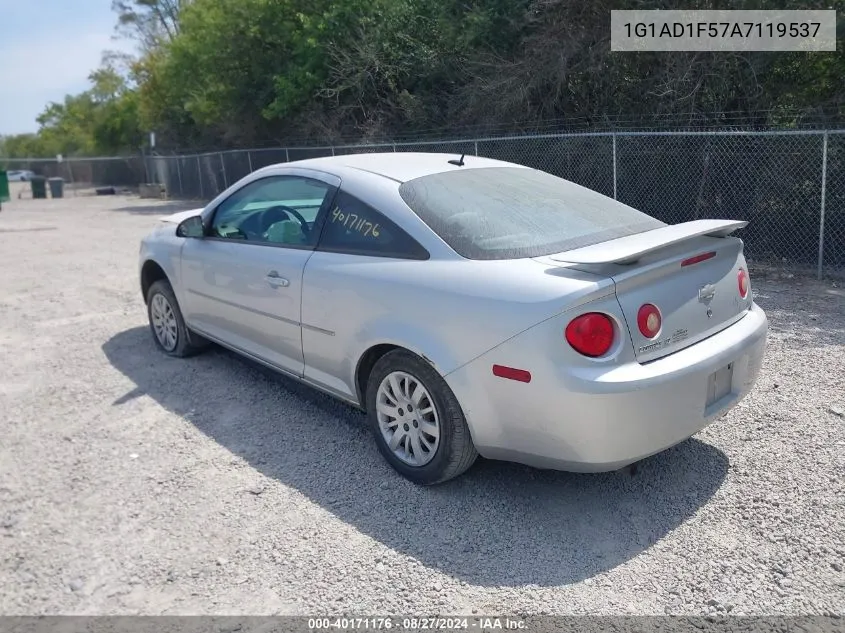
x: 191, y: 227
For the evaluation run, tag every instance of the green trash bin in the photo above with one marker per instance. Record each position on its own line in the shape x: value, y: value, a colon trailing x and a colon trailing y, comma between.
x: 4, y: 187
x: 57, y: 187
x: 39, y: 187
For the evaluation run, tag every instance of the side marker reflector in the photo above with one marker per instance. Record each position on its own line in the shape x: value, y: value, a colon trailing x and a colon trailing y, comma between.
x: 511, y: 373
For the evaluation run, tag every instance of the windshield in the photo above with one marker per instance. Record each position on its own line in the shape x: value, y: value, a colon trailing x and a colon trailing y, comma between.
x: 511, y: 212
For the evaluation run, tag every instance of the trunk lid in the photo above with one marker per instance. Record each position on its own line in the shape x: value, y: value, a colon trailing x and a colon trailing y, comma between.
x: 696, y: 300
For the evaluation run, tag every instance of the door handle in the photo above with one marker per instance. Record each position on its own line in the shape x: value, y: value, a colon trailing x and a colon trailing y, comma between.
x: 275, y: 280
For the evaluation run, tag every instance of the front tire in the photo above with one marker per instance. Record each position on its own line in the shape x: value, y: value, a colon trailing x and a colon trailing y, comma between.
x: 416, y: 420
x: 167, y: 324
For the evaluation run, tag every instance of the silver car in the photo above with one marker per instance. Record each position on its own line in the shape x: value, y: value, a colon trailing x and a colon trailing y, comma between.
x: 470, y: 306
x: 19, y: 175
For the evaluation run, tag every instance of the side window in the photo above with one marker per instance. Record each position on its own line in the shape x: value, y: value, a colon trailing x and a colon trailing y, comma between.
x: 274, y: 210
x: 356, y: 228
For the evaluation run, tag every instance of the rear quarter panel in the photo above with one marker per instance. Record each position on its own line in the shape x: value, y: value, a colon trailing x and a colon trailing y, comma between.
x: 447, y: 311
x: 529, y: 417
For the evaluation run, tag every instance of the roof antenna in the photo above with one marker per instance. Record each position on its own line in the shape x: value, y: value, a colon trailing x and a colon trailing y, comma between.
x: 459, y: 162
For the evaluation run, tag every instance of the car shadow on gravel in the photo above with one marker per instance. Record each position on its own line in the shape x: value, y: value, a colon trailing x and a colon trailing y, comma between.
x: 498, y: 525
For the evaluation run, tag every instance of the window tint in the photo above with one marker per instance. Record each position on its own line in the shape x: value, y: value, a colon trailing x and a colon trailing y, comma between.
x: 354, y: 227
x: 510, y: 212
x: 275, y: 210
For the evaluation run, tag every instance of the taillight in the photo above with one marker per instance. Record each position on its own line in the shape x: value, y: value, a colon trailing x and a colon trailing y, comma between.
x: 590, y: 334
x: 649, y: 320
x: 742, y: 282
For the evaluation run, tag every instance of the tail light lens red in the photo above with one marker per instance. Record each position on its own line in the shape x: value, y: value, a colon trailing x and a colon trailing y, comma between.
x: 742, y: 282
x: 590, y: 334
x: 649, y: 320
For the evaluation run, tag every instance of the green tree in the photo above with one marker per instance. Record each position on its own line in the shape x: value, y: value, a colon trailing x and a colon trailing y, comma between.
x: 23, y: 146
x: 218, y: 73
x: 102, y: 120
x: 149, y: 22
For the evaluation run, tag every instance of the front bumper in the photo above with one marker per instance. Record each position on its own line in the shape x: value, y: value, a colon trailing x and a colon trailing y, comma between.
x: 596, y: 417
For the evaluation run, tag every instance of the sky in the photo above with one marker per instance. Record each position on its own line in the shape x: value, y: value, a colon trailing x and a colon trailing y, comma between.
x: 47, y: 50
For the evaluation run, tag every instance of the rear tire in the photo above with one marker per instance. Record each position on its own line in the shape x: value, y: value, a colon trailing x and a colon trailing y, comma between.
x: 167, y: 324
x: 424, y: 423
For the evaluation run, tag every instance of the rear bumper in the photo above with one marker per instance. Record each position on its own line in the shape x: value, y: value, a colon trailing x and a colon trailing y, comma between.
x: 602, y: 416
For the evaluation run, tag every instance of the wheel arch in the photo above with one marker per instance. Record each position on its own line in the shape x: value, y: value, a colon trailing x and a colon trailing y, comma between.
x: 365, y: 365
x: 385, y: 335
x: 151, y: 272
x: 371, y: 356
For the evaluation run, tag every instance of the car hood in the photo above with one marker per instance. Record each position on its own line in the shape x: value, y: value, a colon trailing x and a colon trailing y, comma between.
x: 176, y: 218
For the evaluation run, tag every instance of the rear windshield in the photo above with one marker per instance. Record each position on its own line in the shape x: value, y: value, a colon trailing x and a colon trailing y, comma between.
x: 511, y: 212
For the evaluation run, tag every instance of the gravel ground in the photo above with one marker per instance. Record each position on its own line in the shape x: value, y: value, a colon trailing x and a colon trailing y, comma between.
x: 134, y: 483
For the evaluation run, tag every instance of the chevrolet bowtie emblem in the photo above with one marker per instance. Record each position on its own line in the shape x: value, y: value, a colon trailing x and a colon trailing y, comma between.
x: 707, y: 292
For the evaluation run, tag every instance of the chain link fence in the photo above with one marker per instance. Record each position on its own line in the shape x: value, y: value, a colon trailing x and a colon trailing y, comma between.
x: 85, y: 172
x: 790, y: 186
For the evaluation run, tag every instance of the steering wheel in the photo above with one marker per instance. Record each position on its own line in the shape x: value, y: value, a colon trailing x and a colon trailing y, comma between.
x: 283, y: 212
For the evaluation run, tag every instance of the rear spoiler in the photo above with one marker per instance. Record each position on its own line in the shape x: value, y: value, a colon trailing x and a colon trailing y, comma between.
x: 631, y: 248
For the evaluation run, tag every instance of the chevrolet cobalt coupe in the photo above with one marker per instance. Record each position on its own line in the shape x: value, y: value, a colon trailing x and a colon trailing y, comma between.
x: 469, y: 306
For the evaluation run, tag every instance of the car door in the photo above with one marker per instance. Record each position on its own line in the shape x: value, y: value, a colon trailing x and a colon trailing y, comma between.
x: 351, y: 280
x: 243, y: 280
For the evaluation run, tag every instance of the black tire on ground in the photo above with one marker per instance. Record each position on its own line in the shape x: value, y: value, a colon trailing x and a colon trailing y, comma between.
x: 187, y: 342
x: 456, y: 452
